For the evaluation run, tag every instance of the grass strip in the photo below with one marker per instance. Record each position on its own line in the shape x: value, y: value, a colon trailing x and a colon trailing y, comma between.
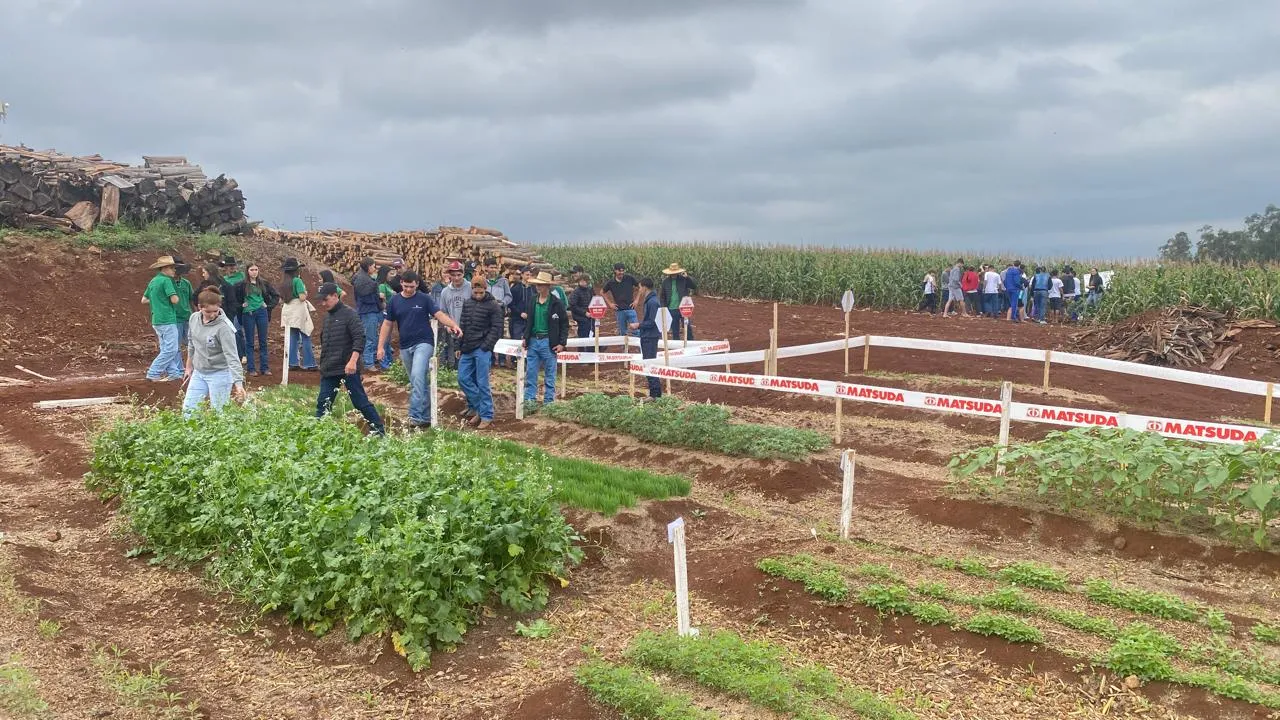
x: 819, y: 578
x: 760, y: 673
x: 701, y: 426
x: 636, y: 695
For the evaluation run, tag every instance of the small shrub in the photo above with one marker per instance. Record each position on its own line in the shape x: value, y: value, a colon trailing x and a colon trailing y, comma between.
x: 931, y: 613
x: 1216, y: 620
x: 1076, y: 620
x: 974, y: 566
x: 1009, y: 599
x: 878, y: 571
x: 935, y: 590
x: 1262, y: 632
x: 1004, y: 626
x: 1143, y: 651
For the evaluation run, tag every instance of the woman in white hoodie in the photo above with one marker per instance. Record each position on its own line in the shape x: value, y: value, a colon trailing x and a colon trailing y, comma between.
x: 213, y: 368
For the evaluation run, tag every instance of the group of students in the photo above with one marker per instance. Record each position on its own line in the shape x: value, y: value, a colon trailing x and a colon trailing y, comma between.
x: 219, y: 321
x: 1042, y: 295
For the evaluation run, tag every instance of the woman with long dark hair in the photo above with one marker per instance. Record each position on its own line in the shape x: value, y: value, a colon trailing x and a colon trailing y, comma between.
x: 295, y: 318
x: 257, y: 298
x: 384, y: 294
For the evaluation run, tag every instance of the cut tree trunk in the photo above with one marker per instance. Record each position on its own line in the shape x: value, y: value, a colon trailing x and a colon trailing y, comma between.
x: 110, y: 211
x: 83, y: 215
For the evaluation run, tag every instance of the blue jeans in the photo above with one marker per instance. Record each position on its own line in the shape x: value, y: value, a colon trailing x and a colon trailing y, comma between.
x: 213, y: 385
x: 355, y: 388
x: 183, y: 329
x: 237, y: 323
x: 649, y: 351
x: 1040, y: 300
x: 372, y: 323
x: 539, y: 356
x: 417, y: 363
x: 473, y: 377
x: 625, y: 318
x: 517, y: 326
x: 990, y: 304
x: 169, y: 360
x: 296, y: 339
x: 1014, y: 305
x: 255, y: 328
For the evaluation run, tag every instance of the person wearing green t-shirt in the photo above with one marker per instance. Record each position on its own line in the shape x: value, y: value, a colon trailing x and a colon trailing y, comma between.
x: 385, y: 291
x: 296, y: 317
x: 257, y: 299
x: 186, y: 293
x: 676, y: 286
x: 162, y: 297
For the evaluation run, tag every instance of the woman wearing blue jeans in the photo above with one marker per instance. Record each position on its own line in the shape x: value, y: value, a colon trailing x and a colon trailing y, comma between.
x: 258, y: 297
x: 213, y: 369
x: 296, y: 316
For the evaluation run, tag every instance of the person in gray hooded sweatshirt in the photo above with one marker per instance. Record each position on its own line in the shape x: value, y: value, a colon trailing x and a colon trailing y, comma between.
x: 452, y: 297
x: 213, y: 368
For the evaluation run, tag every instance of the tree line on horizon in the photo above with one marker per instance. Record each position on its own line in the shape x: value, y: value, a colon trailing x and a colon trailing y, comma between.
x: 1257, y: 242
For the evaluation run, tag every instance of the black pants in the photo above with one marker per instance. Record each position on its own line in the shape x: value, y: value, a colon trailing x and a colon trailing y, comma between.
x: 678, y: 322
x: 649, y: 351
x: 930, y: 303
x: 355, y: 388
x: 585, y: 327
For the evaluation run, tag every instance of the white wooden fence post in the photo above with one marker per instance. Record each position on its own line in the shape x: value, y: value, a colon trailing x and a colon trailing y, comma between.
x: 675, y: 536
x: 848, y: 460
x: 1006, y: 399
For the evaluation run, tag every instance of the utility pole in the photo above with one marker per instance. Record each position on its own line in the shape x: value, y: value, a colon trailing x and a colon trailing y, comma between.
x: 311, y: 221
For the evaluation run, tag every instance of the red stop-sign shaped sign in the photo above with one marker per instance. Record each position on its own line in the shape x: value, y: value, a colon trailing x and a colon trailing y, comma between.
x: 597, y: 307
x: 686, y: 306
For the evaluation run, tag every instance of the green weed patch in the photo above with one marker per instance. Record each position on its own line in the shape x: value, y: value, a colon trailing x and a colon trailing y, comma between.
x: 1004, y: 626
x: 819, y: 578
x: 701, y: 426
x: 636, y: 695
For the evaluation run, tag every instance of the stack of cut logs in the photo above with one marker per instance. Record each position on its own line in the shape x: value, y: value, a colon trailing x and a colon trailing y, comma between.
x: 1180, y: 336
x: 423, y: 250
x: 49, y: 190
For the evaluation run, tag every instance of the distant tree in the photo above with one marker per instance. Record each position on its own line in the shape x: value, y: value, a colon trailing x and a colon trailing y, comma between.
x: 1259, y: 241
x: 1177, y: 248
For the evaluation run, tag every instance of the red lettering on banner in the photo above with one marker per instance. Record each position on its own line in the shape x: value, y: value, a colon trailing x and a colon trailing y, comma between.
x: 1206, y: 432
x: 1074, y: 417
x: 676, y: 373
x: 733, y: 379
x: 866, y: 393
x: 962, y: 404
x: 789, y: 384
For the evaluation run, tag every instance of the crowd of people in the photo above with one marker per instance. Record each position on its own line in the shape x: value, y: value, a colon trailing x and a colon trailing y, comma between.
x: 221, y: 327
x: 1041, y: 295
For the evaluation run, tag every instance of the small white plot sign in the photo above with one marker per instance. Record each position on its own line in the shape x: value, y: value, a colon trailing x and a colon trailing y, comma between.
x: 846, y: 301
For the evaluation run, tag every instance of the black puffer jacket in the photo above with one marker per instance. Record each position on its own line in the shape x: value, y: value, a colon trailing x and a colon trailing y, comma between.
x: 343, y: 335
x: 481, y: 323
x: 579, y: 301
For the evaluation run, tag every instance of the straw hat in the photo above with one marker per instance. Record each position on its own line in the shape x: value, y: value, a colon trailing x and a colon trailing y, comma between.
x: 673, y: 269
x: 542, y: 278
x: 163, y: 261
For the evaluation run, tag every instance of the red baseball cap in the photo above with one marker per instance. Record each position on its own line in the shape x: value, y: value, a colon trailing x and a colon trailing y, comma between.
x: 455, y: 266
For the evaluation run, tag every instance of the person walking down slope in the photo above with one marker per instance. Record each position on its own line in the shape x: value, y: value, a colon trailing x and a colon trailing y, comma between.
x: 451, y: 299
x: 676, y: 286
x: 340, y: 358
x: 544, y: 336
x: 257, y: 300
x: 481, y: 331
x: 385, y: 294
x: 1013, y: 288
x: 579, y: 302
x: 295, y: 317
x: 369, y: 308
x: 162, y: 297
x: 411, y: 312
x: 649, y: 332
x: 186, y: 299
x: 213, y: 365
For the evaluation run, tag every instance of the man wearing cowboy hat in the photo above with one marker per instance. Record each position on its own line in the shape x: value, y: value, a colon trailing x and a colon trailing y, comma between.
x: 162, y: 296
x: 233, y: 306
x: 676, y: 286
x: 546, y: 334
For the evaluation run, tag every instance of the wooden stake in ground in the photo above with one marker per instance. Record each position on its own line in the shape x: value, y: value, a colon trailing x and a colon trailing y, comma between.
x: 839, y: 419
x: 595, y: 330
x: 564, y: 384
x: 435, y: 387
x: 1047, y: 355
x: 675, y: 536
x: 773, y: 342
x: 1006, y: 399
x: 664, y: 324
x: 284, y: 375
x: 866, y: 353
x: 35, y: 374
x: 520, y: 371
x: 1266, y: 408
x: 847, y: 462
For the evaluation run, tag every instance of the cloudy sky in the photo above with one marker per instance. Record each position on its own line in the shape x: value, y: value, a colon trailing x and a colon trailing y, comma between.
x: 1084, y: 126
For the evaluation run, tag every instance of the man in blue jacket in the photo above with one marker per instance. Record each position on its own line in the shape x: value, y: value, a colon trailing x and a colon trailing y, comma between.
x: 1013, y: 288
x: 649, y: 332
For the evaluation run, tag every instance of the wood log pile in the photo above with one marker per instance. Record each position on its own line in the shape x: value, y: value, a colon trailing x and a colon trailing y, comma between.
x: 49, y: 190
x: 425, y: 251
x: 1178, y: 336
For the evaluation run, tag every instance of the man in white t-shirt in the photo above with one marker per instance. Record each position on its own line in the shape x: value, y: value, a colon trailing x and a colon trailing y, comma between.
x: 1055, y: 296
x: 990, y: 291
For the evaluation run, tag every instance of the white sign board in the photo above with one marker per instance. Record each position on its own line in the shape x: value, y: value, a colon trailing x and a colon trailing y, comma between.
x: 664, y: 319
x: 846, y: 301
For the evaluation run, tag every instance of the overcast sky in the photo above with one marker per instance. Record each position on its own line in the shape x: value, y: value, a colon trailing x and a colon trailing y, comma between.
x: 1087, y: 127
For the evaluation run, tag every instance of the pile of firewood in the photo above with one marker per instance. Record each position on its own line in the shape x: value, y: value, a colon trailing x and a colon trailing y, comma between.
x: 50, y: 190
x: 424, y: 251
x: 1178, y: 336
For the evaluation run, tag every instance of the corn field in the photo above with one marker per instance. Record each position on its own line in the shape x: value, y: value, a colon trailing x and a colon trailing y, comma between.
x: 888, y: 279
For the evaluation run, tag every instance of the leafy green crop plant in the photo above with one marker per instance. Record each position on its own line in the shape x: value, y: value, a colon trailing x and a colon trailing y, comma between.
x: 402, y: 536
x: 1004, y: 626
x: 636, y: 695
x: 819, y: 578
x: 1033, y: 575
x: 701, y: 426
